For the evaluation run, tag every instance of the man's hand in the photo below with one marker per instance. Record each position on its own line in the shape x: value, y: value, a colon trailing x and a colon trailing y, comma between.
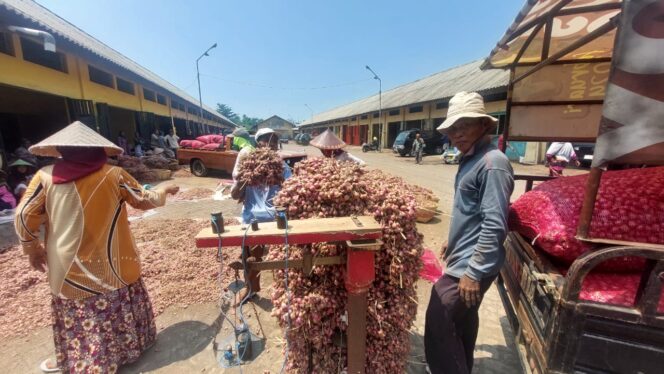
x: 38, y: 261
x: 172, y: 189
x: 470, y: 291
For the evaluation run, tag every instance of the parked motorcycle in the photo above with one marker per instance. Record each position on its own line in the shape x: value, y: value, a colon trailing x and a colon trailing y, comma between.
x: 366, y: 147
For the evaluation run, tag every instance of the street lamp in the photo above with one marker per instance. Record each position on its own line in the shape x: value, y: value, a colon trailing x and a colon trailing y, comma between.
x: 380, y: 98
x: 198, y: 77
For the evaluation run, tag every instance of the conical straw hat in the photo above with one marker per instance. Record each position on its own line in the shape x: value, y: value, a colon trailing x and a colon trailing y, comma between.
x: 75, y: 135
x: 327, y: 140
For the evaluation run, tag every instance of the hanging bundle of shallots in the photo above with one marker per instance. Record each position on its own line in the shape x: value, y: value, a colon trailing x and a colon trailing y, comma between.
x: 262, y: 167
x: 327, y: 188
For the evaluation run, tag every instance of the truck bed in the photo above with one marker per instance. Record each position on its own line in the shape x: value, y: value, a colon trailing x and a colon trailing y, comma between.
x: 557, y: 332
x: 202, y: 160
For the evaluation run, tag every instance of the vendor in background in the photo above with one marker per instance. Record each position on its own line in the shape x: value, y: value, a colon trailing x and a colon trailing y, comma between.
x: 558, y: 156
x: 172, y: 142
x: 158, y: 143
x: 139, y: 145
x: 474, y: 252
x: 331, y: 146
x: 257, y: 204
x: 242, y: 140
x: 23, y: 153
x: 7, y: 199
x: 122, y: 142
x: 101, y: 312
x: 20, y: 174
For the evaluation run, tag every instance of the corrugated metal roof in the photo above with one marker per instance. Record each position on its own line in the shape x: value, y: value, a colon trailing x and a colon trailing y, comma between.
x: 443, y: 85
x: 58, y: 26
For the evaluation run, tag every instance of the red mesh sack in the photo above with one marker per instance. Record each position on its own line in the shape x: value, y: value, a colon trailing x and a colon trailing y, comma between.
x: 211, y: 146
x: 191, y: 143
x: 614, y: 289
x: 209, y: 139
x: 629, y: 206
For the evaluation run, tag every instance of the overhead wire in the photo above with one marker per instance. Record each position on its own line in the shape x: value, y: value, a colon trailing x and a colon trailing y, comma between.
x: 275, y: 87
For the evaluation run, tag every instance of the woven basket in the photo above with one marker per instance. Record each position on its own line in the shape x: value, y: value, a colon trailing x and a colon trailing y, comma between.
x: 424, y: 215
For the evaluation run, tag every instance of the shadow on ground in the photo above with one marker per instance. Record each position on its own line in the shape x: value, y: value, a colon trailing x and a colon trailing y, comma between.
x: 182, y: 341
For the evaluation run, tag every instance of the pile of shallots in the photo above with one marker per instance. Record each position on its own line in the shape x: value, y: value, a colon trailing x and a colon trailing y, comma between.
x: 262, y: 167
x: 322, y: 187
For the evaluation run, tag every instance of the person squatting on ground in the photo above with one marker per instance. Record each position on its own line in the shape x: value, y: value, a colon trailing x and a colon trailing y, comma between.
x: 102, y: 315
x: 474, y: 251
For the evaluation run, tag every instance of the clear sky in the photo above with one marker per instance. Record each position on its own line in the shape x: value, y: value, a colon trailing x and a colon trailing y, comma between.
x: 276, y: 56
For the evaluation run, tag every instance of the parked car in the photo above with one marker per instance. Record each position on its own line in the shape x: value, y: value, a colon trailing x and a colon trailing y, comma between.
x: 584, y: 153
x: 303, y: 139
x: 434, y: 142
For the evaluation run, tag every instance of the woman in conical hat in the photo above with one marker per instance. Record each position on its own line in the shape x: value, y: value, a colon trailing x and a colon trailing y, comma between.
x: 20, y: 173
x: 101, y: 311
x: 331, y: 146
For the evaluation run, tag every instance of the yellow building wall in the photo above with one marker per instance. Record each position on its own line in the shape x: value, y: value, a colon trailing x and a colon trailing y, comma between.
x: 496, y: 106
x: 14, y: 71
x: 424, y: 114
x: 102, y: 94
x: 75, y: 84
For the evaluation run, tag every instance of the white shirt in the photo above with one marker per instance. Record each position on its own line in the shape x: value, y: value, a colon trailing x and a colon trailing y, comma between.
x: 345, y: 156
x: 172, y: 141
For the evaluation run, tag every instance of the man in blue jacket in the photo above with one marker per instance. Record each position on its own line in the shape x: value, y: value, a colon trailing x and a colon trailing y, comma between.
x: 474, y: 251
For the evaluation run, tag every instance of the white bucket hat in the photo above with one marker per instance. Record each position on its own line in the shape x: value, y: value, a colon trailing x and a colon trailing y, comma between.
x: 263, y: 132
x: 75, y: 135
x: 465, y: 105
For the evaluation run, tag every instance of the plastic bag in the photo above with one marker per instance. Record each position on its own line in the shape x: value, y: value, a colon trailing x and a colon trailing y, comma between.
x: 431, y: 268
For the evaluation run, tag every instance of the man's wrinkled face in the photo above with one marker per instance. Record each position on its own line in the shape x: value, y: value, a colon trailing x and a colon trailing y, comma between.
x: 466, y: 131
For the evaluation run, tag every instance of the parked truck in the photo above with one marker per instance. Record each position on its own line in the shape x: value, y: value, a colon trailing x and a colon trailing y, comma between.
x: 201, y: 161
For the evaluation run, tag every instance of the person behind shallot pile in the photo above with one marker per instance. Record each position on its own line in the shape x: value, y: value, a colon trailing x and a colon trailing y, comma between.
x: 474, y: 251
x: 102, y: 315
x: 332, y: 147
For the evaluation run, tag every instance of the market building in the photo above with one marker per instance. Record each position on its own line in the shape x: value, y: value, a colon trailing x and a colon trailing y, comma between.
x: 53, y: 73
x: 421, y: 104
x: 279, y: 125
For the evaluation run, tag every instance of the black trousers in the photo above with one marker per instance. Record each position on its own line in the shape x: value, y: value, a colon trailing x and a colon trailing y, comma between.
x: 450, y: 329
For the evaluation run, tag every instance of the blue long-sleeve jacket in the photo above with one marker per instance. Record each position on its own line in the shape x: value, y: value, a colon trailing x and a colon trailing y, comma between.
x: 483, y: 186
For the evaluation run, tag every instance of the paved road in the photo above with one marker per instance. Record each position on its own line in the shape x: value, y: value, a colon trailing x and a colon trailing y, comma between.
x: 185, y: 333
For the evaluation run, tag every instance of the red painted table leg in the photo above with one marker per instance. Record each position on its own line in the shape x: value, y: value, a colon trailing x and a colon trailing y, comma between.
x: 359, y: 276
x: 357, y: 332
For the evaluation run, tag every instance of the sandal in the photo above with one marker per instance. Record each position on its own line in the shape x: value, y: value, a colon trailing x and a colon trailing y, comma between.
x: 49, y: 366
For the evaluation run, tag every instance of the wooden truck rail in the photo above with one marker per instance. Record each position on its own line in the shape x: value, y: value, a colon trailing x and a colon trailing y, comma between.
x: 556, y: 332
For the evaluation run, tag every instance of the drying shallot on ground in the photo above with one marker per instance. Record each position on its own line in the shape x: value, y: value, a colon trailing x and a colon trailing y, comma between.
x: 174, y: 271
x: 194, y: 194
x: 262, y: 167
x: 323, y: 187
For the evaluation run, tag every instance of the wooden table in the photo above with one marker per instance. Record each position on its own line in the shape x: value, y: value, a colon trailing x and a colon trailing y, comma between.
x: 361, y: 235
